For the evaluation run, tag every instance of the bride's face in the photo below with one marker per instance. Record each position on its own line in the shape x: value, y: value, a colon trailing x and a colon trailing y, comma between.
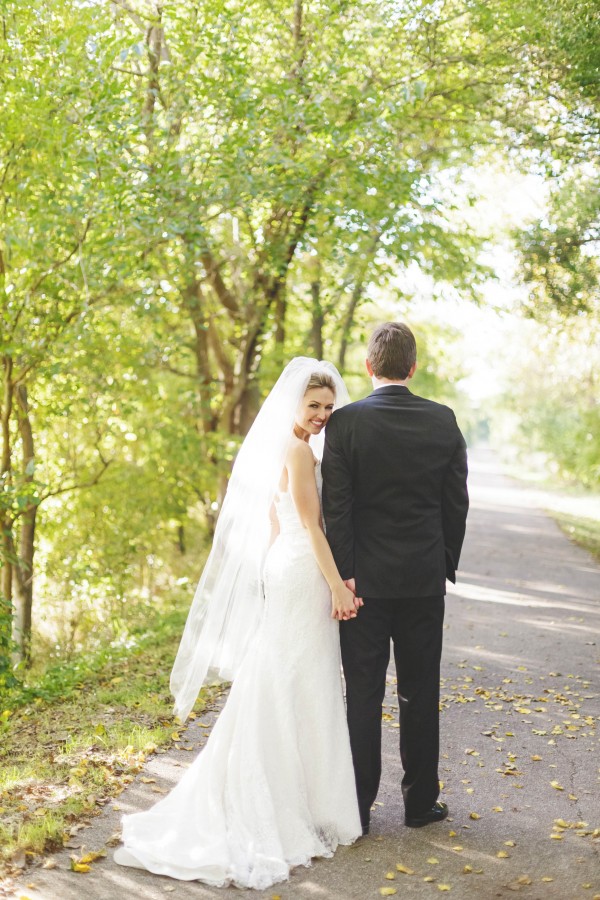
x: 314, y: 412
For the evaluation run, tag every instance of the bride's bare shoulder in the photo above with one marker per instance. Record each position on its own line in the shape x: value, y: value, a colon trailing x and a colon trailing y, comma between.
x: 299, y: 452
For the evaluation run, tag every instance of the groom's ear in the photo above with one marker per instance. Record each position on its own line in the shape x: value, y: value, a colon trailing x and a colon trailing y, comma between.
x: 369, y: 368
x: 413, y: 369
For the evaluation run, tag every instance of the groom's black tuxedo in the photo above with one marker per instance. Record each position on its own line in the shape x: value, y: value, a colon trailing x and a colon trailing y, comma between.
x: 395, y: 505
x: 394, y: 493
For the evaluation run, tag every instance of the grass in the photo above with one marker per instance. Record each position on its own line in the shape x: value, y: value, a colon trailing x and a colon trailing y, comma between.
x: 583, y: 531
x: 78, y: 734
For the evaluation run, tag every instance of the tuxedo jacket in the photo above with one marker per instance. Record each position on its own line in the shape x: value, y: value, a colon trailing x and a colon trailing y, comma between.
x: 395, y: 495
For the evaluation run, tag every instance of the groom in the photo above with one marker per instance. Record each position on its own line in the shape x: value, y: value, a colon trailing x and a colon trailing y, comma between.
x: 395, y: 504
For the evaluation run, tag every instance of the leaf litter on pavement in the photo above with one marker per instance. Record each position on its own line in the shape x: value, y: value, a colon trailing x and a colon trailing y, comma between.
x: 551, y: 709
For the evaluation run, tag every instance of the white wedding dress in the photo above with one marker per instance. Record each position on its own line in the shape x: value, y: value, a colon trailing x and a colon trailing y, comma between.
x: 274, y: 785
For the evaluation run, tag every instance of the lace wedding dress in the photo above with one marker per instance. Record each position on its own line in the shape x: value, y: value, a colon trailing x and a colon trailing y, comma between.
x: 274, y: 785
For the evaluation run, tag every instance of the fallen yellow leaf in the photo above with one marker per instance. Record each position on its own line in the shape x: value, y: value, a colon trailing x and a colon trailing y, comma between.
x: 444, y: 887
x: 474, y: 816
x: 467, y: 870
x: 145, y: 780
x: 391, y: 876
x: 557, y: 786
x: 40, y: 811
x: 175, y: 737
x: 547, y: 878
x: 497, y: 809
x: 433, y: 861
x: 428, y: 879
x: 509, y: 844
x: 502, y: 854
x: 524, y: 879
x: 404, y: 869
x: 92, y: 856
x: 79, y: 867
x: 387, y: 891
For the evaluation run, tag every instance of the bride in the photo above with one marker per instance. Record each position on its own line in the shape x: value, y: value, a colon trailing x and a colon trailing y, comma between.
x: 274, y: 785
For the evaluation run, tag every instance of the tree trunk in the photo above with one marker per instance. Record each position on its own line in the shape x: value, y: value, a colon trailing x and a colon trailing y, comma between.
x: 280, y: 313
x: 357, y: 295
x: 246, y: 406
x: 23, y: 571
x: 154, y: 42
x: 5, y: 600
x: 349, y: 322
x: 318, y: 319
x: 7, y: 552
x: 23, y: 587
x: 195, y: 305
x: 181, y: 539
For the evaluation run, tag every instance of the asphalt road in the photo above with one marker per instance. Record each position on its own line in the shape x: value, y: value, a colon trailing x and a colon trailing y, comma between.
x: 520, y: 709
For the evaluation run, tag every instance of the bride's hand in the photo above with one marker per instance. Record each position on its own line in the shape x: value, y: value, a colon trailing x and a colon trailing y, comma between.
x: 343, y: 605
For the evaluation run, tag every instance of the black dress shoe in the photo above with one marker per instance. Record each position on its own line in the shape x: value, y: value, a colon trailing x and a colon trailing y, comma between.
x: 365, y: 829
x: 437, y: 813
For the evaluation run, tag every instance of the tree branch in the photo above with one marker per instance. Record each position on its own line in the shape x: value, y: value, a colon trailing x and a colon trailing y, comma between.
x: 82, y: 484
x: 60, y: 262
x: 215, y: 280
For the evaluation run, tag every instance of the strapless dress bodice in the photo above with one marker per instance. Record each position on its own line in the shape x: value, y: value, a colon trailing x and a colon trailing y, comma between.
x: 287, y: 514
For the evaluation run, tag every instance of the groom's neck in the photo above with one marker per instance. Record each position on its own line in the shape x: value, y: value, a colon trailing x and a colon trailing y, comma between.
x: 383, y: 382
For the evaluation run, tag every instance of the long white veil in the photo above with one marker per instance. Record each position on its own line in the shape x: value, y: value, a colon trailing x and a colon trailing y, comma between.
x: 228, y: 601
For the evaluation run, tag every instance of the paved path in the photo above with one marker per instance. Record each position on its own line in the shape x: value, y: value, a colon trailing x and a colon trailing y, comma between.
x: 520, y: 705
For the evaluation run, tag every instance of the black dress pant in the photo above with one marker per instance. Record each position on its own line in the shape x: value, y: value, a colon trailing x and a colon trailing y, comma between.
x: 415, y: 626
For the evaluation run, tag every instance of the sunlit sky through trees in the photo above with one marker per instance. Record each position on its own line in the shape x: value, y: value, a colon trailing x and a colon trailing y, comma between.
x: 489, y: 332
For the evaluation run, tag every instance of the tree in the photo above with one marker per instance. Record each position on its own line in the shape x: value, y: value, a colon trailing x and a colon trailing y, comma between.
x: 230, y: 182
x: 562, y: 124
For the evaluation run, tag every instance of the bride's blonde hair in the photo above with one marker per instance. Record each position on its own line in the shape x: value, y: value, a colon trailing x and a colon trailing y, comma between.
x: 320, y: 380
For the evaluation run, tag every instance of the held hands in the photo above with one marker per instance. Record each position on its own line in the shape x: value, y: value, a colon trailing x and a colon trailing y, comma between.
x: 358, y: 601
x: 345, y: 604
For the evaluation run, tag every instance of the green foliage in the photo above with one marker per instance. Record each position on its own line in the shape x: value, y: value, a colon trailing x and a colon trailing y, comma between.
x: 561, y: 123
x: 190, y: 195
x: 560, y: 263
x: 553, y: 392
x: 583, y: 531
x: 151, y: 642
x: 95, y: 719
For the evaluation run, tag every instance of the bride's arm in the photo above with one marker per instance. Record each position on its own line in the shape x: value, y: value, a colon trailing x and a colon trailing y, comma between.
x: 274, y: 524
x: 300, y: 466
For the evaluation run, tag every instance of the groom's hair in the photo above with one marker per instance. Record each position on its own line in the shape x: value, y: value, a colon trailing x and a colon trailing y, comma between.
x: 392, y: 351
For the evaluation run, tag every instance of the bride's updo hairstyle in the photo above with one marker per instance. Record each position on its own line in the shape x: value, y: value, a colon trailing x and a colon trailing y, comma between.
x: 320, y: 380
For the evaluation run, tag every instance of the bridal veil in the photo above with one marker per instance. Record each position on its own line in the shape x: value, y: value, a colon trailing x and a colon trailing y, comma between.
x: 228, y: 601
